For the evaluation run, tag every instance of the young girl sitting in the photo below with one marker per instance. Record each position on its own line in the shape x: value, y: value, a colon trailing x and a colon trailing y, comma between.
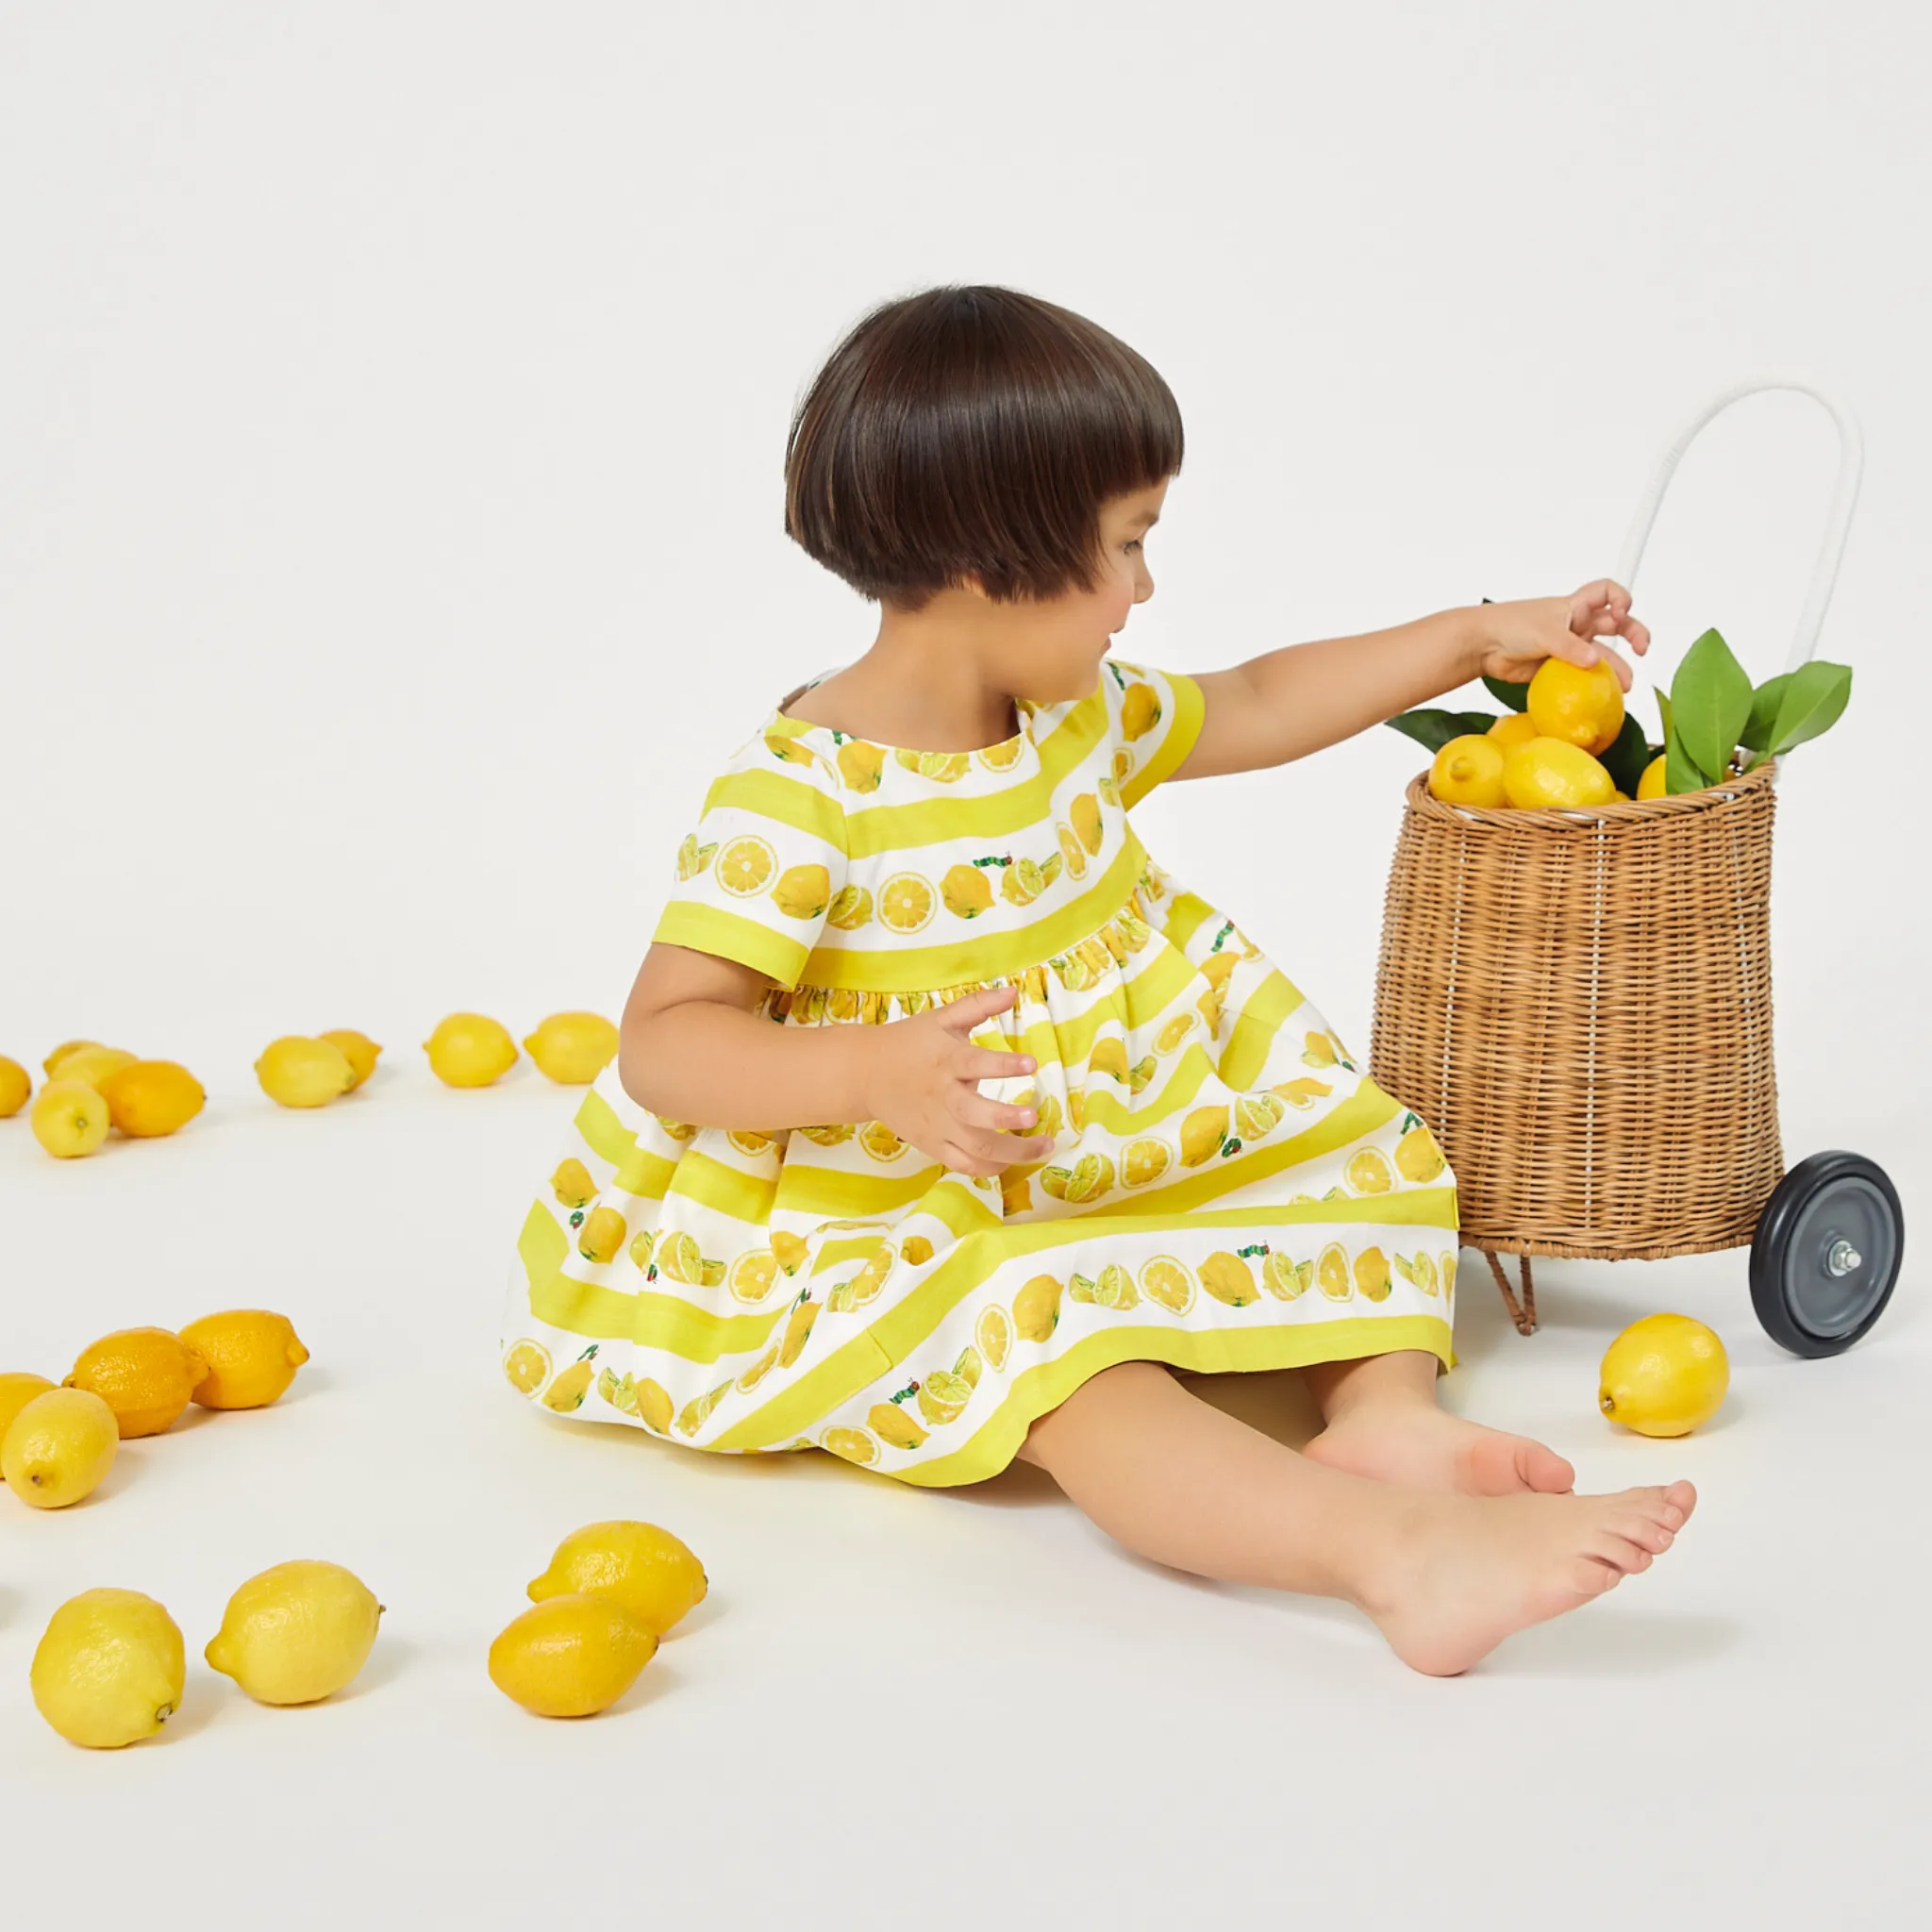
x: 946, y: 1123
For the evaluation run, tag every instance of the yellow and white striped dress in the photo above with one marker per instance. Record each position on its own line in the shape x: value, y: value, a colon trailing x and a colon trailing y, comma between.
x: 1227, y: 1190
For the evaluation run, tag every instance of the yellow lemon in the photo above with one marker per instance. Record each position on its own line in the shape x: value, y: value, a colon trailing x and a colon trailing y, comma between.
x: 603, y: 1234
x: 1468, y: 771
x: 1654, y: 782
x: 1109, y: 1057
x: 1021, y: 882
x: 750, y: 1275
x: 1229, y: 1280
x: 1037, y: 1309
x: 899, y: 1428
x: 1174, y: 1032
x: 861, y: 765
x: 798, y: 1328
x: 572, y: 1184
x: 745, y: 866
x: 968, y: 1366
x: 92, y: 1064
x: 851, y: 907
x: 570, y: 1656
x: 1372, y: 1273
x: 650, y: 1572
x: 1143, y: 1162
x: 1140, y: 710
x: 252, y: 1356
x: 693, y: 857
x: 1331, y: 1273
x: 1548, y: 773
x: 678, y: 1258
x: 1445, y: 1263
x: 470, y: 1050
x: 58, y: 1447
x: 830, y: 1135
x: 942, y: 1396
x: 758, y: 1370
x: 357, y: 1048
x: 16, y: 1391
x: 854, y: 1445
x: 61, y: 1053
x: 1418, y: 1156
x: 527, y: 1365
x: 1170, y: 1283
x: 1303, y: 1093
x: 1004, y: 756
x: 790, y: 1248
x: 1087, y: 826
x: 146, y: 1375
x: 108, y: 1669
x: 1514, y: 729
x: 299, y: 1071
x: 16, y: 1085
x: 1664, y: 1375
x: 297, y: 1633
x: 1284, y: 1279
x: 566, y: 1394
x: 1258, y: 1114
x: 69, y: 1118
x: 1321, y: 1050
x: 917, y: 1250
x: 1087, y: 1180
x: 147, y: 1098
x: 993, y: 1332
x: 906, y: 903
x: 1582, y: 707
x: 1202, y: 1134
x: 966, y: 891
x: 1368, y: 1171
x: 654, y: 1405
x: 677, y: 1130
x: 803, y: 891
x: 573, y: 1048
x: 880, y: 1142
x: 1072, y: 854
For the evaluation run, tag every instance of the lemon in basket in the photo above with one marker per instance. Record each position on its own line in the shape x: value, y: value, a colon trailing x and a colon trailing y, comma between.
x: 1468, y: 771
x: 1652, y: 784
x: 1583, y: 707
x: 1514, y: 729
x: 1663, y: 1376
x: 1547, y: 772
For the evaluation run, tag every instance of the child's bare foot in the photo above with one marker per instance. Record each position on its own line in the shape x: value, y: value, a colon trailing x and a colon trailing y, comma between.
x: 1462, y: 1572
x: 1419, y: 1446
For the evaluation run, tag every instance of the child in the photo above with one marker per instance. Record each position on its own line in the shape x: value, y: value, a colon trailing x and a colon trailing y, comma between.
x: 945, y: 1122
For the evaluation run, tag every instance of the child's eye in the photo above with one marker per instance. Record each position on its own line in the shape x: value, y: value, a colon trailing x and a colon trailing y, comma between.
x: 1135, y: 544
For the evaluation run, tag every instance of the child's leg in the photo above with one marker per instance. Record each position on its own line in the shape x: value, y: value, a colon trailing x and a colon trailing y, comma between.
x: 1446, y: 1577
x: 1382, y: 1421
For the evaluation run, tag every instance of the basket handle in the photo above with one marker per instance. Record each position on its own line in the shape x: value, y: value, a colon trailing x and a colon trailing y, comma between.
x: 1844, y: 496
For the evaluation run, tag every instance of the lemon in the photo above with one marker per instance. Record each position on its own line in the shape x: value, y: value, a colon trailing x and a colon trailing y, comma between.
x: 470, y: 1050
x: 854, y: 1445
x: 297, y: 1071
x: 1549, y: 773
x: 797, y: 1332
x: 942, y: 1396
x: 880, y: 1142
x: 58, y: 1447
x: 1174, y: 1032
x: 758, y: 1370
x: 832, y: 1134
x: 745, y: 866
x: 1331, y: 1273
x: 1087, y: 1180
x: 16, y: 1391
x: 993, y: 1332
x: 147, y: 1098
x: 652, y: 1573
x: 1303, y: 1093
x: 357, y: 1049
x: 92, y: 1064
x: 861, y: 765
x: 1170, y: 1283
x: 1202, y: 1134
x: 1109, y: 1057
x: 917, y: 1250
x: 693, y: 857
x: 1372, y: 1273
x: 69, y: 1118
x: 1004, y: 756
x: 1072, y: 854
x: 527, y: 1365
x: 1418, y: 1156
x: 751, y: 1277
x: 1582, y: 707
x: 61, y: 1053
x: 1037, y: 1309
x: 790, y: 1248
x: 295, y: 1633
x: 110, y: 1667
x: 1663, y: 1376
x: 966, y: 891
x: 899, y: 1428
x: 16, y: 1085
x: 803, y: 891
x: 1143, y: 1162
x: 969, y: 1366
x: 252, y: 1356
x: 1321, y: 1050
x: 1021, y: 882
x: 1654, y: 783
x: 1468, y: 771
x: 906, y: 903
x: 654, y: 1405
x: 1087, y: 826
x: 146, y: 1375
x: 1113, y: 1289
x: 573, y: 1048
x: 570, y: 1656
x: 851, y: 907
x: 1140, y: 710
x: 1285, y: 1278
x: 1229, y: 1279
x: 572, y: 1184
x: 1256, y: 1115
x: 566, y: 1394
x: 1368, y: 1171
x: 1514, y: 729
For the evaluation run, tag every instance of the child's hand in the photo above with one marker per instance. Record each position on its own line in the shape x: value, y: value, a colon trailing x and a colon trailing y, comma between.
x: 924, y: 1083
x: 1519, y: 636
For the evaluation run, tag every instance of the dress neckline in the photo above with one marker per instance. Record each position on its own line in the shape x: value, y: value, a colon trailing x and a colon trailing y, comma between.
x: 798, y: 726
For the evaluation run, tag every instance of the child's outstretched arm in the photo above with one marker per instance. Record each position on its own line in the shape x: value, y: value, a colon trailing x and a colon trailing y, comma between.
x: 693, y: 1047
x: 1291, y: 702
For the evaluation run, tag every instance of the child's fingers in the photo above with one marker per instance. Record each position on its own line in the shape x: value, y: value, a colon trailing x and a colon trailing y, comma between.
x: 972, y: 1153
x: 979, y: 1063
x: 963, y: 1015
x: 982, y: 1113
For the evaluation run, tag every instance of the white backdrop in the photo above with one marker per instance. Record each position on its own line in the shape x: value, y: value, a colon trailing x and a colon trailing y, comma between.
x: 392, y: 401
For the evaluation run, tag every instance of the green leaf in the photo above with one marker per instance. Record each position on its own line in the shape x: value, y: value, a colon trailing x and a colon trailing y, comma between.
x: 1626, y: 757
x: 1681, y: 772
x: 1710, y: 703
x: 1434, y: 728
x: 1663, y: 711
x: 1764, y: 703
x: 1515, y: 695
x: 1813, y: 703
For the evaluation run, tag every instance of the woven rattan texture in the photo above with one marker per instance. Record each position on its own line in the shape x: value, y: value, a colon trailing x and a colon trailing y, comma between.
x: 1579, y: 1005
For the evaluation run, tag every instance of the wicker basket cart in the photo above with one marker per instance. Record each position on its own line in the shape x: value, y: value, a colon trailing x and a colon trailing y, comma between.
x: 1579, y: 1004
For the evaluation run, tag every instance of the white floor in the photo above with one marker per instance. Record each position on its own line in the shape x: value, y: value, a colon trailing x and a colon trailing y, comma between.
x: 902, y: 1708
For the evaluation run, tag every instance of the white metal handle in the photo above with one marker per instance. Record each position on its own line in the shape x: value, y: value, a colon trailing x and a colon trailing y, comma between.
x: 1844, y: 496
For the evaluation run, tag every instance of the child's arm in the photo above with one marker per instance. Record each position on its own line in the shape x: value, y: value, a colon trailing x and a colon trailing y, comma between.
x: 691, y: 1047
x: 1297, y: 700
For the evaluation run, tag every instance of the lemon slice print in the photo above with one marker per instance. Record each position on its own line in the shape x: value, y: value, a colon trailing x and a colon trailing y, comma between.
x: 527, y: 1365
x: 942, y: 1396
x: 1087, y: 823
x: 1368, y: 1171
x: 1144, y: 1162
x: 1003, y: 757
x: 758, y: 1370
x: 1168, y: 1282
x: 1332, y: 1273
x: 753, y: 1274
x: 1255, y: 1114
x: 1087, y: 1180
x: 880, y: 1142
x: 746, y: 865
x: 1284, y: 1279
x: 993, y: 1332
x: 1303, y: 1093
x: 1073, y: 852
x: 854, y: 1445
x: 693, y: 857
x: 828, y: 1136
x: 850, y: 909
x: 1174, y: 1032
x: 906, y: 903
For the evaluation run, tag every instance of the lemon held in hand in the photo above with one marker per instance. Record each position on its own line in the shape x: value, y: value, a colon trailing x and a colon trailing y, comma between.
x: 297, y: 1071
x: 1581, y: 707
x: 296, y: 1633
x: 648, y: 1570
x: 571, y: 1656
x: 69, y: 1118
x: 1663, y: 1376
x: 58, y: 1447
x: 573, y: 1048
x: 251, y: 1354
x: 109, y: 1669
x: 470, y: 1050
x: 1468, y: 771
x: 1547, y: 772
x: 147, y: 1098
x: 146, y: 1375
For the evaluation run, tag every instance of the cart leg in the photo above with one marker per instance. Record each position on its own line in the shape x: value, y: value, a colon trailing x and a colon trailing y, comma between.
x: 1523, y: 1313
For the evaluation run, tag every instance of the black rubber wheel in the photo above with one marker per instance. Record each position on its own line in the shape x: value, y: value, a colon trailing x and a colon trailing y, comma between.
x: 1825, y: 1256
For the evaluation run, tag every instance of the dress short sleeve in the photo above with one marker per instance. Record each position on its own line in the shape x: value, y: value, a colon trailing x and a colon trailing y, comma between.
x: 755, y: 880
x: 1155, y: 716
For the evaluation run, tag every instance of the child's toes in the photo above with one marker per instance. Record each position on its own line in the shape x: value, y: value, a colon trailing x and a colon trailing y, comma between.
x: 1541, y: 1468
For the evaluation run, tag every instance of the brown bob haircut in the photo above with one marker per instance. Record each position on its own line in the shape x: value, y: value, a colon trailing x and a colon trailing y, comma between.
x: 972, y: 428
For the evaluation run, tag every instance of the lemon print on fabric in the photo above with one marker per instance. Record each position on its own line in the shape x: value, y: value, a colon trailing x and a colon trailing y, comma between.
x: 603, y: 1234
x: 1202, y: 1134
x: 1368, y: 1171
x: 696, y: 1414
x: 678, y: 1258
x: 678, y: 1130
x: 1144, y: 1162
x: 1170, y: 1283
x: 753, y: 1274
x: 880, y: 1142
x: 1140, y: 711
x: 1332, y: 1276
x: 1230, y: 1278
x: 1109, y: 793
x: 745, y: 866
x: 1303, y: 1093
x: 832, y: 1136
x: 1372, y: 1273
x: 787, y: 750
x: 1174, y: 1032
x: 1258, y: 1114
x: 944, y: 1396
x: 798, y: 1327
x: 803, y: 892
x: 790, y: 1248
x: 1087, y: 1180
x: 753, y: 1146
x: 1445, y: 1268
x: 693, y: 857
x: 1037, y: 1309
x: 865, y: 1285
x: 906, y: 903
x: 1109, y: 1057
x: 617, y: 1391
x: 942, y: 767
x: 1023, y: 882
x: 1418, y: 1158
x: 758, y: 1370
x: 1421, y: 1272
x: 568, y: 1391
x: 1113, y: 1288
x: 861, y: 765
x: 572, y: 1184
x: 917, y: 1250
x: 854, y: 1445
x: 1004, y: 757
x: 851, y: 909
x: 1073, y: 852
x: 966, y: 891
x: 654, y: 1405
x: 527, y: 1365
x: 642, y: 1245
x: 1286, y: 1278
x: 993, y: 1333
x: 893, y: 1424
x: 1322, y: 1050
x: 1086, y: 820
